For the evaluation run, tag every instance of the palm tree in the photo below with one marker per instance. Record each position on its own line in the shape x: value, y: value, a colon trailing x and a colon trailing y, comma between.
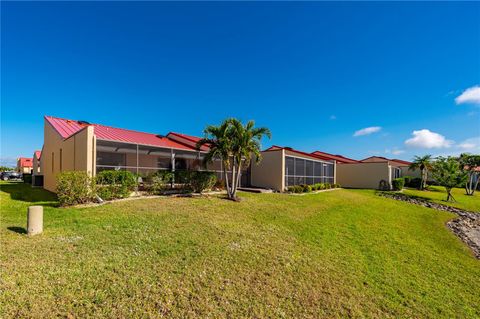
x: 234, y: 144
x: 424, y: 163
x: 218, y: 139
x: 246, y: 142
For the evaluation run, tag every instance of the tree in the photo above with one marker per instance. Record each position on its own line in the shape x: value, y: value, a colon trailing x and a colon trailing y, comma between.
x: 424, y: 163
x: 233, y: 143
x: 470, y: 164
x: 448, y: 173
x: 246, y: 142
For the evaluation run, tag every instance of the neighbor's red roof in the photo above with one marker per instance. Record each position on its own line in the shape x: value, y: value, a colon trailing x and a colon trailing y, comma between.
x: 388, y: 159
x: 338, y: 158
x: 190, y: 138
x: 26, y: 162
x: 67, y: 128
x: 276, y: 147
x: 38, y: 154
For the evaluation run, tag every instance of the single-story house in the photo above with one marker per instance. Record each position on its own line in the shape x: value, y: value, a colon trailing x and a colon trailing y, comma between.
x: 79, y: 145
x: 282, y: 167
x: 71, y: 145
x: 369, y: 172
x: 24, y: 165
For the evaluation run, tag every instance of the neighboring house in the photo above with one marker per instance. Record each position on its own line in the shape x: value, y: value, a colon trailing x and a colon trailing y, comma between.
x: 283, y: 166
x: 371, y: 172
x: 366, y: 173
x: 37, y: 177
x: 80, y: 146
x: 338, y: 158
x: 24, y: 165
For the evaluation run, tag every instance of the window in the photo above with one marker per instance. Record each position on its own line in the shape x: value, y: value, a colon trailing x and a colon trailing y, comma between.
x: 61, y: 158
x: 53, y: 161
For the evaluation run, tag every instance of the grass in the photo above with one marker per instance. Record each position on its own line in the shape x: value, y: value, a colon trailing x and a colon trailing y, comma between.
x: 438, y: 194
x: 347, y: 253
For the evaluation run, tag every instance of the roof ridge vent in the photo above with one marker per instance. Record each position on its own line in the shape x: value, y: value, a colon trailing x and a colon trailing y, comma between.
x: 83, y: 123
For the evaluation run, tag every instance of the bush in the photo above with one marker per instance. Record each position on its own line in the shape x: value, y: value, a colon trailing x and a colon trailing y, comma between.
x: 115, y: 184
x: 298, y: 189
x: 407, y: 179
x: 291, y: 189
x: 27, y: 178
x: 336, y: 185
x: 157, y: 185
x: 307, y: 188
x: 398, y: 183
x: 200, y: 181
x: 75, y: 188
x: 327, y: 186
x: 415, y: 182
x: 182, y: 178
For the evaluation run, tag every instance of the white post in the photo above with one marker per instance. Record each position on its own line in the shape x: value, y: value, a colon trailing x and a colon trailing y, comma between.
x: 34, y: 220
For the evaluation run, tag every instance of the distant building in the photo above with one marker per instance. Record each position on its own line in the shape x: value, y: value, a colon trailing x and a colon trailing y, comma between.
x: 24, y: 165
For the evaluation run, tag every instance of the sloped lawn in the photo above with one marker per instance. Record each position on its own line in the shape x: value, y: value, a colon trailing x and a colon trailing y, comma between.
x: 438, y: 195
x: 347, y: 253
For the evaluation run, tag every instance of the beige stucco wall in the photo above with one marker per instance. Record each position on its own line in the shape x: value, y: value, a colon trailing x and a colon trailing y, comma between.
x: 270, y: 172
x: 77, y: 154
x: 406, y: 172
x: 36, y: 166
x: 363, y: 175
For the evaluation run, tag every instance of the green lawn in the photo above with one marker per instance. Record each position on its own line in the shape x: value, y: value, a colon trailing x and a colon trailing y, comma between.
x: 439, y: 195
x: 345, y: 253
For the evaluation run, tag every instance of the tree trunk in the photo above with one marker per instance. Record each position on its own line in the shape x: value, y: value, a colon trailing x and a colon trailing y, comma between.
x: 476, y: 183
x: 449, y: 195
x: 231, y: 193
x: 225, y: 171
x: 237, y: 181
x: 468, y: 185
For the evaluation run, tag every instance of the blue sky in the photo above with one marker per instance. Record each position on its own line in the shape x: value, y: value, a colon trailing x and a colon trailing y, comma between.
x: 314, y: 73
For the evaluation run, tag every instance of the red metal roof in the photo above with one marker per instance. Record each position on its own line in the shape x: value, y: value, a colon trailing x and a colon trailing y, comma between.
x: 67, y: 128
x: 388, y: 159
x: 401, y: 161
x: 193, y: 140
x: 38, y: 154
x: 25, y: 162
x: 338, y: 158
x: 276, y: 147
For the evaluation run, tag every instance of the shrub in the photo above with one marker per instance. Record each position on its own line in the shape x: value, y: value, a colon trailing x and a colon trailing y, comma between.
x: 200, y: 181
x: 415, y: 182
x: 27, y: 178
x: 336, y: 185
x: 307, y: 188
x: 157, y: 185
x: 398, y: 183
x: 182, y: 179
x: 75, y: 187
x: 407, y: 179
x: 327, y: 185
x: 291, y: 189
x: 115, y: 184
x: 298, y: 189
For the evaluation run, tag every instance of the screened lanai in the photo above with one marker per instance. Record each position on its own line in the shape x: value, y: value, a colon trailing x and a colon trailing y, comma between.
x: 305, y: 171
x: 146, y: 160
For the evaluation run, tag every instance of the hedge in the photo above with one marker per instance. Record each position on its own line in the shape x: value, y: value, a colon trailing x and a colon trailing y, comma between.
x: 115, y: 184
x: 75, y: 187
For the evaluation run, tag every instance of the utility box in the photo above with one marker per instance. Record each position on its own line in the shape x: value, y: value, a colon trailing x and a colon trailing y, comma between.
x: 34, y: 220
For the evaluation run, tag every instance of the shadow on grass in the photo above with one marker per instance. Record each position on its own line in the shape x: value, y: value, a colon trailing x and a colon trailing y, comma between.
x: 16, y: 229
x: 25, y: 193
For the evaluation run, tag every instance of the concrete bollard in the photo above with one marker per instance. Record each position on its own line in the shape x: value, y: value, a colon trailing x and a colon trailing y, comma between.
x: 34, y: 220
